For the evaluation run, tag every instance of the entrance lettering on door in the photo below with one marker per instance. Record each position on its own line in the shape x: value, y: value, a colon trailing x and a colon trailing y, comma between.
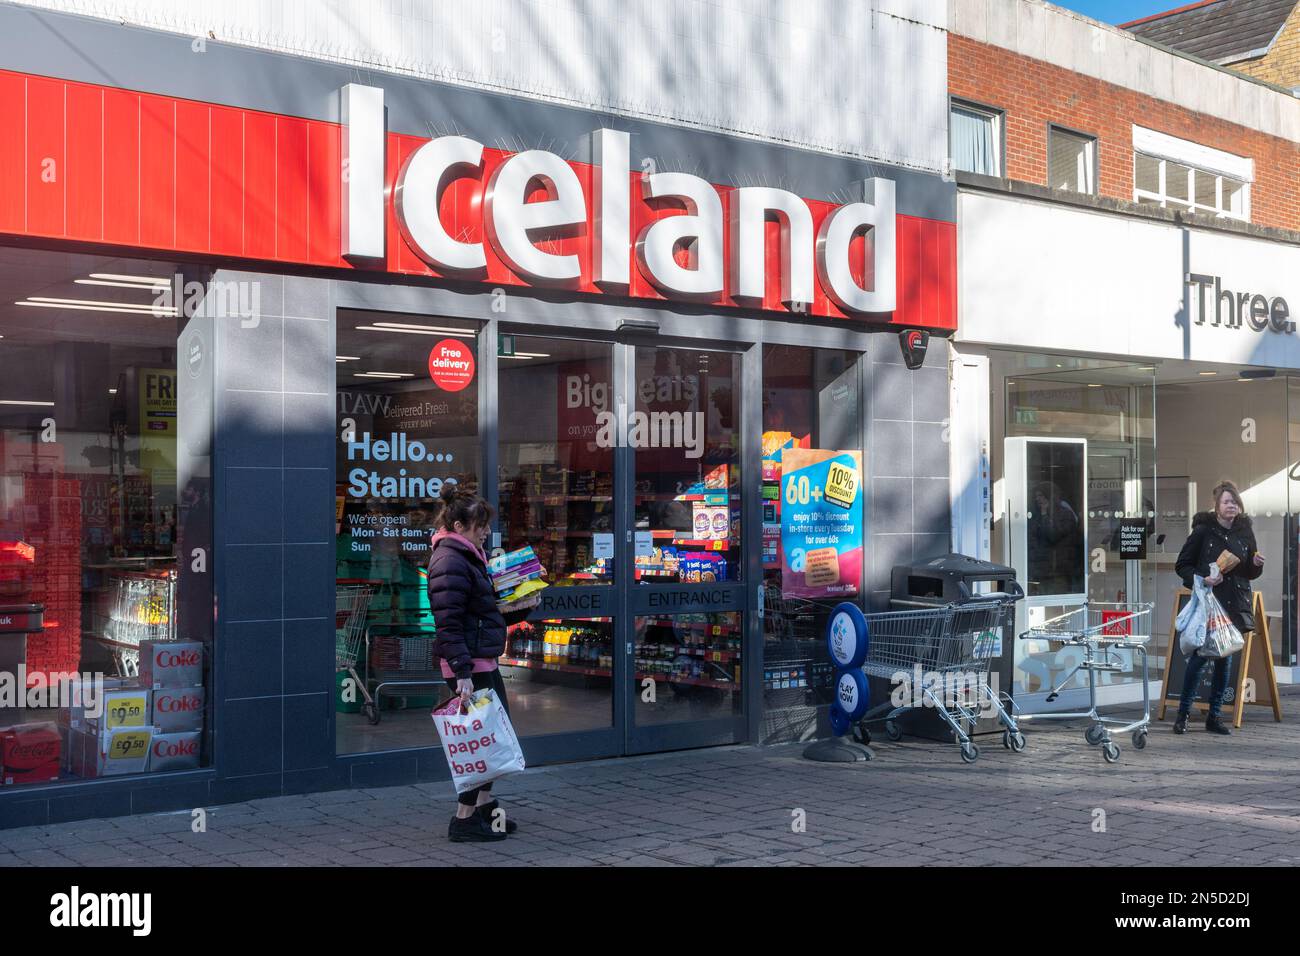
x: 684, y: 598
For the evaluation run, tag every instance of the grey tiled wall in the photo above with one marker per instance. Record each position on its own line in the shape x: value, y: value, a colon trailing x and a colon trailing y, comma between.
x: 274, y: 416
x: 907, y: 462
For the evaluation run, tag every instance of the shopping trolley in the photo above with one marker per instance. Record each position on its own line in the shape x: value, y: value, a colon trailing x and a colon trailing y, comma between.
x: 1101, y: 631
x: 399, y: 657
x: 351, y: 604
x: 940, y: 658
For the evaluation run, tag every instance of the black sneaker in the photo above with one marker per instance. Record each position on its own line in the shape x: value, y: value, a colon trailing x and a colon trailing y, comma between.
x: 472, y: 829
x: 1180, y: 725
x: 486, y: 811
x: 1216, y: 726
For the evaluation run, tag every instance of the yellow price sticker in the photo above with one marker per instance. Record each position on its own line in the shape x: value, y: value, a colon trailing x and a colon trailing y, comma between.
x: 130, y: 745
x: 841, y: 484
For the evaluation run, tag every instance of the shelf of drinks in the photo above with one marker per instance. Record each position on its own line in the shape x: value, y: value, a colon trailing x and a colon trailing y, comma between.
x: 718, y: 657
x: 605, y: 672
x: 560, y: 668
x: 718, y: 629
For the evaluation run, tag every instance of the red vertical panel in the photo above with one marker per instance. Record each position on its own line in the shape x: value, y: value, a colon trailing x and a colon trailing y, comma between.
x: 291, y: 189
x: 227, y: 150
x: 157, y: 172
x: 46, y: 175
x: 259, y: 185
x: 121, y: 167
x: 324, y: 194
x: 13, y: 136
x: 948, y: 315
x: 193, y: 175
x: 910, y: 304
x: 85, y: 165
x: 393, y: 241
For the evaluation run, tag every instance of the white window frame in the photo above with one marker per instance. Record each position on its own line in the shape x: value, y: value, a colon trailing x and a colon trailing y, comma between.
x: 994, y: 117
x: 1089, y: 156
x: 1167, y: 149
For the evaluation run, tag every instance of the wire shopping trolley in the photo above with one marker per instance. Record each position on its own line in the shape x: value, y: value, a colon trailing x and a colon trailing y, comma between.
x: 351, y: 603
x: 938, y: 657
x: 1101, y: 631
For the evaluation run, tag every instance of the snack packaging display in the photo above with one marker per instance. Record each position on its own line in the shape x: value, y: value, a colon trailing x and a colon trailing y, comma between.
x: 711, y: 522
x: 702, y: 567
x: 30, y: 753
x: 171, y: 664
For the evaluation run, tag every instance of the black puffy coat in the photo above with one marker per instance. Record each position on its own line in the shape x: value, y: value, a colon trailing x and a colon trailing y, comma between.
x: 464, y: 606
x: 1206, y: 542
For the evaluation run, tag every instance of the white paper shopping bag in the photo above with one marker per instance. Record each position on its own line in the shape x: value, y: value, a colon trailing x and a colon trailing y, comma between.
x: 480, y: 743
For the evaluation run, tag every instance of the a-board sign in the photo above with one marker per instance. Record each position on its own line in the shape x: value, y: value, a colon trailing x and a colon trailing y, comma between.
x: 1254, y: 661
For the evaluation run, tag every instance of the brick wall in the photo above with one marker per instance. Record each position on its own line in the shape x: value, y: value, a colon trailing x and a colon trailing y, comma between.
x: 1034, y: 93
x: 1281, y: 65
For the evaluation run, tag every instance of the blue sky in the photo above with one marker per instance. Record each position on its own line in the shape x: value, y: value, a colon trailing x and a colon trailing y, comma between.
x: 1119, y: 11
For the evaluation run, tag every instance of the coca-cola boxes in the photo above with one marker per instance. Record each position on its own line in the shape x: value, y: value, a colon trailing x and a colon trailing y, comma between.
x: 111, y: 753
x: 174, y: 751
x: 29, y: 753
x: 115, y: 703
x: 171, y: 664
x: 178, y: 709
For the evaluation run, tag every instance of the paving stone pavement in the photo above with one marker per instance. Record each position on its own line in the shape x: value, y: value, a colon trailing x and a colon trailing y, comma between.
x: 1195, y: 799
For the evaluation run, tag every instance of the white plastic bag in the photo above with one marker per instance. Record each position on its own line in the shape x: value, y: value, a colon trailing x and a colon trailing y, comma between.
x: 1222, y: 638
x: 480, y: 743
x: 1191, y: 620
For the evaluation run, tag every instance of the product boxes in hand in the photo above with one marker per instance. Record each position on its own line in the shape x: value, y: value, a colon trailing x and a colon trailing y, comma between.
x: 516, y: 574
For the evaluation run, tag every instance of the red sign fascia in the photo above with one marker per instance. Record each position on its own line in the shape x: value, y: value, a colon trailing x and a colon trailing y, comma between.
x: 159, y: 175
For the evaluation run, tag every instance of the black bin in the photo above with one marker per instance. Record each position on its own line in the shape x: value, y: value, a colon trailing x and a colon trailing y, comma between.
x: 954, y: 579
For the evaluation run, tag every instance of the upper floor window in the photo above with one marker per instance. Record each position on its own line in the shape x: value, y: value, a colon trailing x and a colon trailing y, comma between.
x: 1178, y: 174
x: 1071, y: 161
x: 975, y: 134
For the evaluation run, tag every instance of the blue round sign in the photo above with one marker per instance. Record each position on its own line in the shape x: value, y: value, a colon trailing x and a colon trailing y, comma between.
x: 852, y: 695
x: 840, y: 724
x: 846, y: 636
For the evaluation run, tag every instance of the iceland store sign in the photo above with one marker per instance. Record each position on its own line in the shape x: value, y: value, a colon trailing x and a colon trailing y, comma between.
x: 462, y: 208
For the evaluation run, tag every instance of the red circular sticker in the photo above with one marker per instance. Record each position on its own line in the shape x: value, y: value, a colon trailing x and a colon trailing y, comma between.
x: 451, y: 365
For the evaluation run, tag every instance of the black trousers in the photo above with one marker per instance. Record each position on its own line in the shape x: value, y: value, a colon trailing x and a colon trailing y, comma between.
x: 482, y: 681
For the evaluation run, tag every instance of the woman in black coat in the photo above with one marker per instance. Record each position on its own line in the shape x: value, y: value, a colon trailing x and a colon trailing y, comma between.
x: 1226, y: 528
x: 471, y: 635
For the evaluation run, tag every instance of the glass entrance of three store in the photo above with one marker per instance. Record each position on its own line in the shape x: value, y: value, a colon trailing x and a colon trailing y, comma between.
x: 632, y: 469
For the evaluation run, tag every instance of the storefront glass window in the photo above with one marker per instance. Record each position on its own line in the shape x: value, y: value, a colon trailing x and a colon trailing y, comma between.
x: 556, y: 493
x: 556, y: 464
x: 105, y: 640
x: 812, y: 417
x: 1078, y: 495
x: 407, y: 423
x: 686, y: 436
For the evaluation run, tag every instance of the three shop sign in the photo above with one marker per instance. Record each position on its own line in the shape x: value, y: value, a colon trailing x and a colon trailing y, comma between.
x: 714, y: 243
x: 1233, y: 309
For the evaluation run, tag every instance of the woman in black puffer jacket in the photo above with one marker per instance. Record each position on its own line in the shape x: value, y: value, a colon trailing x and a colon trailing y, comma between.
x: 471, y: 635
x: 1226, y: 528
